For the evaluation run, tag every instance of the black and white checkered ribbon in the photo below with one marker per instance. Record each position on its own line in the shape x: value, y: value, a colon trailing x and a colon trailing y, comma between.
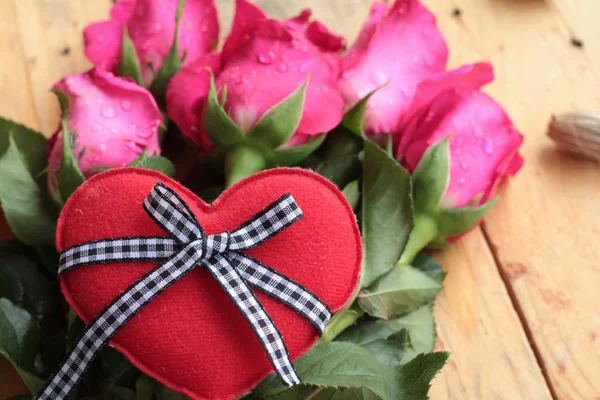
x: 186, y: 247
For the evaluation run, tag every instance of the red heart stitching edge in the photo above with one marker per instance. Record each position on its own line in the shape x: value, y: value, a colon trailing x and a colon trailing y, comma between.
x: 192, y: 338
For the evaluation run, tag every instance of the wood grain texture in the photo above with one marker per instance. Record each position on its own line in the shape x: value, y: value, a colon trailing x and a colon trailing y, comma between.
x: 545, y: 232
x: 542, y: 230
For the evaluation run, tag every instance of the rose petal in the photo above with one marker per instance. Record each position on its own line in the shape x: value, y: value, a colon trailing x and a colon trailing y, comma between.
x: 472, y: 76
x: 186, y: 95
x: 320, y: 36
x: 483, y: 143
x: 246, y: 18
x: 103, y: 40
x: 401, y: 49
x: 114, y: 119
x: 269, y: 68
x: 152, y: 29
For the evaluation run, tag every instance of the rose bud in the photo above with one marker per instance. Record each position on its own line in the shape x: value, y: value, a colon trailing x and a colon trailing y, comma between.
x: 151, y: 27
x: 418, y: 65
x: 112, y: 120
x: 264, y: 64
x: 459, y: 148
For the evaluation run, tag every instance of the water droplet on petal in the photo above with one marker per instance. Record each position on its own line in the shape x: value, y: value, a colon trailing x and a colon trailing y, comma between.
x: 100, y: 101
x: 362, y: 93
x: 156, y: 28
x: 461, y: 180
x: 303, y: 68
x: 204, y: 28
x: 378, y: 78
x: 463, y: 165
x: 282, y: 68
x: 488, y: 146
x: 97, y: 128
x: 126, y: 105
x: 347, y: 74
x: 108, y: 112
x: 102, y: 148
x: 267, y: 57
x: 402, y: 8
x: 430, y: 116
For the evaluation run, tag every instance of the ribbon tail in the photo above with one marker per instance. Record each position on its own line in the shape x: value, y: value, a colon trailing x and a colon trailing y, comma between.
x: 262, y: 325
x: 282, y: 288
x: 98, y: 333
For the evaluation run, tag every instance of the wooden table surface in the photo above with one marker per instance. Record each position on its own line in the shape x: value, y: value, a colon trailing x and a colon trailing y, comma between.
x: 521, y: 311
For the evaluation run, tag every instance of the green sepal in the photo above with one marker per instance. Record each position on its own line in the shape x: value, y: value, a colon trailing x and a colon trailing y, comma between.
x: 279, y: 123
x: 292, y: 156
x: 69, y: 175
x: 400, y: 291
x: 387, y: 212
x: 130, y: 63
x: 454, y: 221
x: 63, y: 101
x: 156, y: 163
x: 172, y: 63
x: 431, y: 177
x: 353, y: 118
x: 219, y: 126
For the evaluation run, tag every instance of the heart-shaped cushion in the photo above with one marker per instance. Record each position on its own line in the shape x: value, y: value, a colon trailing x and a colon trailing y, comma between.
x: 192, y: 337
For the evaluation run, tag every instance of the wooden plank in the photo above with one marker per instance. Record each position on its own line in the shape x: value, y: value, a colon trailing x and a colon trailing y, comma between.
x: 491, y: 358
x: 545, y: 231
x: 467, y: 336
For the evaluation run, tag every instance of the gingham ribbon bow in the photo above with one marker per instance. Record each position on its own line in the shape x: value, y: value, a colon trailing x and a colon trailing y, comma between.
x: 187, y: 247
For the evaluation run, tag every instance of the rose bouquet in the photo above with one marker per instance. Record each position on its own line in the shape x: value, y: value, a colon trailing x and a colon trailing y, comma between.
x: 417, y: 150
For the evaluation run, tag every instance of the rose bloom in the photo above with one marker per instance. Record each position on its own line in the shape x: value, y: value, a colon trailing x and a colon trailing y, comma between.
x: 113, y: 119
x: 484, y: 144
x: 151, y: 26
x: 261, y: 63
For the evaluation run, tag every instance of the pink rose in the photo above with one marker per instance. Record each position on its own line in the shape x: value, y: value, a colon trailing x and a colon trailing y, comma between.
x: 262, y: 62
x: 401, y: 51
x: 484, y: 144
x: 151, y: 26
x: 114, y: 121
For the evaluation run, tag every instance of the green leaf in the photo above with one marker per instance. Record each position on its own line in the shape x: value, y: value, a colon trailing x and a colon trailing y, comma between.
x: 353, y: 117
x: 387, y: 214
x: 171, y: 65
x: 454, y: 221
x: 156, y: 163
x: 130, y: 63
x: 33, y: 383
x: 421, y: 328
x: 352, y: 193
x: 19, y: 335
x: 387, y: 345
x: 219, y: 126
x: 400, y: 291
x: 69, y: 175
x: 164, y: 393
x: 24, y: 203
x: 413, y: 380
x: 337, y: 158
x: 337, y: 364
x: 144, y: 387
x: 431, y: 177
x: 279, y: 123
x: 25, y: 282
x: 292, y: 156
x: 430, y: 266
x: 30, y: 144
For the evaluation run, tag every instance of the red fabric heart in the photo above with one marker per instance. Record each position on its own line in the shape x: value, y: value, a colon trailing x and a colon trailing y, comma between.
x: 192, y: 338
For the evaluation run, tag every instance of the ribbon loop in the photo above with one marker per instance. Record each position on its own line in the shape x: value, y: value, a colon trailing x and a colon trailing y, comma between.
x: 186, y: 247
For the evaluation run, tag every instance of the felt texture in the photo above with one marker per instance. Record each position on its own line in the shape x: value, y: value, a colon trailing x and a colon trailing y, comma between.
x: 192, y: 338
